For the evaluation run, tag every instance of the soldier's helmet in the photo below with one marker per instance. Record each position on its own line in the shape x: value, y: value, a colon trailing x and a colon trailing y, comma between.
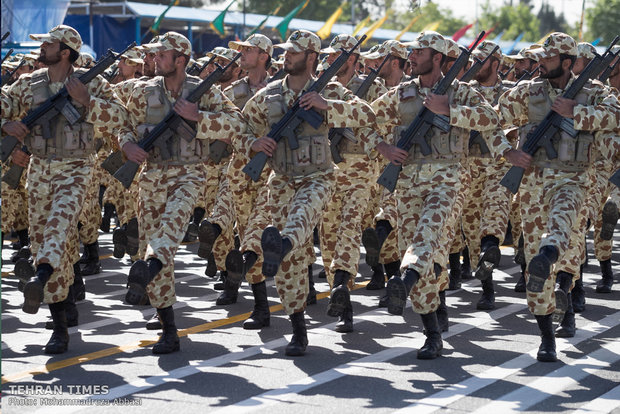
x: 485, y: 48
x: 222, y: 52
x: 62, y: 33
x: 172, y: 41
x: 300, y: 41
x: 586, y: 50
x: 258, y: 40
x: 452, y: 49
x: 389, y: 47
x: 342, y: 41
x: 429, y: 39
x: 556, y: 44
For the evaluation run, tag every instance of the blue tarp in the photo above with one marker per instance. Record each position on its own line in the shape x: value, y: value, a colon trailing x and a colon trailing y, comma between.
x: 33, y: 16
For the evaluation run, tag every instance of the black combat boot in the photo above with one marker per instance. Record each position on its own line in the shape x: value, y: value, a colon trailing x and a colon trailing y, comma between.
x: 311, y: 299
x: 275, y: 248
x: 33, y: 289
x: 238, y: 265
x: 322, y: 274
x: 540, y: 267
x: 562, y: 290
x: 466, y: 267
x: 194, y: 226
x: 610, y: 219
x: 23, y: 270
x: 373, y: 240
x: 221, y: 283
x: 141, y: 274
x: 520, y: 252
x: 154, y: 323
x: 340, y: 297
x: 119, y: 239
x: 207, y: 234
x: 108, y: 213
x: 567, y: 327
x: 520, y: 285
x: 398, y: 289
x: 92, y: 266
x: 607, y: 281
x: 71, y: 311
x: 78, y: 283
x: 455, y: 271
x: 391, y: 269
x: 59, y: 342
x: 211, y: 269
x: 442, y: 312
x: 133, y: 237
x: 546, y: 351
x: 345, y: 322
x: 377, y: 280
x: 299, y: 341
x: 169, y: 340
x: 22, y: 240
x: 230, y: 293
x: 23, y: 253
x: 259, y: 317
x: 433, y: 345
x: 578, y: 295
x: 490, y: 255
x: 487, y: 301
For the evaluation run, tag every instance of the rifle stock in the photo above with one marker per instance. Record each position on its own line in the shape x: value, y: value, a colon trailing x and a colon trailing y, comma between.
x: 296, y: 115
x: 415, y: 134
x: 14, y: 175
x: 615, y: 178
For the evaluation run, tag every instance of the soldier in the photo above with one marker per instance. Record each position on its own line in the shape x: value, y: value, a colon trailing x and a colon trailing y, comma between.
x: 487, y: 206
x: 340, y: 230
x: 59, y: 168
x: 303, y: 178
x: 553, y: 191
x: 429, y: 185
x: 223, y: 56
x: 393, y: 71
x: 168, y: 188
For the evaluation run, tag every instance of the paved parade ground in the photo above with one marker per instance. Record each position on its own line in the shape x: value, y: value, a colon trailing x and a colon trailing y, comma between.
x: 488, y: 364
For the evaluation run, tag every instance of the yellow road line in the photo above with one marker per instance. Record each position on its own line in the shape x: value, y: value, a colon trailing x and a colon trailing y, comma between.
x: 46, y: 369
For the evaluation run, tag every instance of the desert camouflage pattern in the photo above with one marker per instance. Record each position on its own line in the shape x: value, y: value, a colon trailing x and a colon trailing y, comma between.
x: 257, y: 40
x: 301, y: 40
x: 222, y: 212
x: 90, y: 216
x: 429, y: 39
x: 61, y: 33
x: 14, y: 205
x: 552, y: 199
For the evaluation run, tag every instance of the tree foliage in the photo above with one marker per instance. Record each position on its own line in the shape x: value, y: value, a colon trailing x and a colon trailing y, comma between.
x: 513, y: 20
x: 603, y: 20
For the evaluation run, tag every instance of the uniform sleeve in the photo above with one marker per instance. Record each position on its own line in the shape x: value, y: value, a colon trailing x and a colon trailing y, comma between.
x: 497, y: 143
x: 469, y: 110
x: 16, y: 100
x: 386, y: 112
x: 219, y: 117
x: 105, y: 108
x: 344, y: 109
x: 258, y: 124
x: 513, y: 106
x: 136, y: 111
x: 602, y: 115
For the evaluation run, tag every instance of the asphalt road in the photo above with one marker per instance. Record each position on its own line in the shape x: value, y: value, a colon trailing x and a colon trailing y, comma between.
x: 488, y: 363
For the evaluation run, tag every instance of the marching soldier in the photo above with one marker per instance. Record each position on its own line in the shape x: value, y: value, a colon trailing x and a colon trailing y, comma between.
x: 59, y: 168
x: 303, y: 178
x: 553, y: 191
x: 168, y: 188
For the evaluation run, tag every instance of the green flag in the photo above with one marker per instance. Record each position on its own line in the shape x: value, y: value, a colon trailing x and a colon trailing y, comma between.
x: 282, y: 27
x: 262, y: 24
x: 218, y: 23
x: 155, y: 27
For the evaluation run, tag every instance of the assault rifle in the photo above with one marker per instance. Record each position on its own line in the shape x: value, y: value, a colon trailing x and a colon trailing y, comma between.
x: 609, y: 66
x: 336, y: 134
x: 6, y: 78
x: 60, y: 103
x: 172, y: 124
x: 4, y: 36
x: 296, y: 115
x: 416, y: 132
x: 278, y: 75
x: 14, y: 175
x: 475, y: 68
x: 9, y: 53
x: 553, y: 122
x: 196, y: 70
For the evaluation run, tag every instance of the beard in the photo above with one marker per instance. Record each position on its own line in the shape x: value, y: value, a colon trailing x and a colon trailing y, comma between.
x: 149, y: 71
x: 297, y: 68
x: 49, y: 60
x: 422, y: 68
x: 552, y: 74
x: 165, y: 73
x: 483, y: 76
x: 226, y: 76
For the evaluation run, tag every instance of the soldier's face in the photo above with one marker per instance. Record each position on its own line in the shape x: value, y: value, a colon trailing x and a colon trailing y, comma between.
x: 295, y: 63
x: 551, y: 67
x: 249, y: 57
x: 149, y: 64
x: 50, y: 53
x: 331, y: 58
x: 485, y: 72
x: 164, y: 63
x: 126, y: 69
x: 580, y: 65
x: 421, y: 61
x: 521, y: 66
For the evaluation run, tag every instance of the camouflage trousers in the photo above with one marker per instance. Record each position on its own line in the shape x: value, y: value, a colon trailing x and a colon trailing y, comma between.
x: 426, y: 197
x: 56, y: 191
x: 390, y: 251
x: 340, y: 230
x: 166, y: 200
x: 487, y: 204
x: 599, y: 194
x: 14, y: 205
x: 295, y: 207
x: 551, y: 201
x: 90, y: 217
x: 217, y: 203
x: 515, y: 219
x: 250, y: 201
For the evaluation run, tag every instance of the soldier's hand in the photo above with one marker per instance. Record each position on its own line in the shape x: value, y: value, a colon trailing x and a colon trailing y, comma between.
x: 20, y: 158
x: 392, y: 153
x: 518, y: 158
x: 564, y: 107
x: 313, y: 100
x: 187, y: 110
x: 437, y: 104
x: 265, y: 144
x: 16, y: 129
x: 134, y: 153
x: 78, y: 91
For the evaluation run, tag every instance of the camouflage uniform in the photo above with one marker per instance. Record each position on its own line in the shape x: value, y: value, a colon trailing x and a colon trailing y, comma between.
x: 168, y: 189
